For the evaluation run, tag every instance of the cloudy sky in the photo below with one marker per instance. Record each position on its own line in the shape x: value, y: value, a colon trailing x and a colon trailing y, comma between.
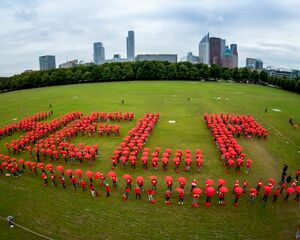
x: 266, y: 29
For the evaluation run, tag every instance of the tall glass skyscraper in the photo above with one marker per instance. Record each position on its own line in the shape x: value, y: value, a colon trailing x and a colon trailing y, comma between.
x: 204, y: 50
x: 47, y: 62
x: 99, y: 53
x: 215, y: 51
x: 130, y: 45
x: 235, y: 55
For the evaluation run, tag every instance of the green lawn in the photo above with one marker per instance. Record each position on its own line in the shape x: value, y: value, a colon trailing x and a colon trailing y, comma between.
x: 67, y: 214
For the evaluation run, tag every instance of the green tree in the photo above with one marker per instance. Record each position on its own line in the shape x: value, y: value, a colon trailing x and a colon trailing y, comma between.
x: 236, y: 75
x: 215, y: 71
x: 128, y: 72
x: 171, y: 71
x: 106, y: 75
x: 263, y: 76
x: 226, y: 74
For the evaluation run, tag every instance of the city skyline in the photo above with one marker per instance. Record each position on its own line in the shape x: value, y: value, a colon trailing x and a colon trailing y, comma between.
x: 34, y: 28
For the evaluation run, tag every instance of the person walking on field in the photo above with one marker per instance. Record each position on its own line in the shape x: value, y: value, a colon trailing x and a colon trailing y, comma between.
x: 107, y: 190
x: 137, y: 191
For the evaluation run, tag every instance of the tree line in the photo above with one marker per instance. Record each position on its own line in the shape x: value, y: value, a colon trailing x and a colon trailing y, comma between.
x: 146, y: 70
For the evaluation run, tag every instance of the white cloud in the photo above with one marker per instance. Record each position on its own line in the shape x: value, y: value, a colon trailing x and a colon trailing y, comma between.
x: 264, y: 29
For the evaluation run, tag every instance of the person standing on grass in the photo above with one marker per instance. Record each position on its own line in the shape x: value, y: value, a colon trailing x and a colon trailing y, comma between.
x: 167, y: 196
x: 259, y: 185
x: 181, y: 197
x: 154, y: 183
x: 137, y: 191
x: 62, y: 180
x: 276, y: 194
x: 114, y: 181
x: 297, y: 193
x: 45, y: 178
x: 53, y: 179
x: 82, y: 184
x: 107, y: 189
x: 126, y: 193
x: 194, y: 184
x: 298, y: 233
x: 252, y: 197
x: 150, y: 194
x: 92, y: 189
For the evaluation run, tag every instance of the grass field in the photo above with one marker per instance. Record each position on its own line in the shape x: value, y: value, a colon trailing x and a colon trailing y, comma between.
x: 67, y: 214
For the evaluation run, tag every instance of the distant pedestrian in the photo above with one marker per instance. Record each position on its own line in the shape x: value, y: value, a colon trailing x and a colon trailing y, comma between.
x: 266, y: 110
x: 137, y: 191
x: 122, y: 101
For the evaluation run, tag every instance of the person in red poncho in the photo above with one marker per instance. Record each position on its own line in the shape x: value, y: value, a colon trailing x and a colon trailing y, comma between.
x: 245, y: 186
x: 126, y: 193
x: 82, y: 184
x: 53, y: 179
x: 137, y: 191
x: 167, y: 196
x: 62, y: 180
x: 107, y: 189
x: 252, y: 196
x: 74, y: 182
x: 237, y: 196
x: 276, y: 194
x: 44, y: 177
x: 297, y: 174
x: 181, y: 197
x: 258, y: 186
x: 154, y: 183
x: 128, y: 183
x: 194, y: 184
x: 92, y: 189
x: 114, y: 181
x: 169, y: 185
x: 150, y: 195
x: 221, y: 196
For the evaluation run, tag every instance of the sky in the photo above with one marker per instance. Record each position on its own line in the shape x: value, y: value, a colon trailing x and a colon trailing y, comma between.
x: 265, y: 29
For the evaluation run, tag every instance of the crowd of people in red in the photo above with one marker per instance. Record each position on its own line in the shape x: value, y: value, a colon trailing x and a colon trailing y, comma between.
x: 98, y: 182
x: 25, y: 124
x: 133, y: 143
x: 224, y: 128
x: 180, y: 157
x: 50, y: 141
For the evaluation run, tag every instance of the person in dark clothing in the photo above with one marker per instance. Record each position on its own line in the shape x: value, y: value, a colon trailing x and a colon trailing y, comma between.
x: 288, y: 179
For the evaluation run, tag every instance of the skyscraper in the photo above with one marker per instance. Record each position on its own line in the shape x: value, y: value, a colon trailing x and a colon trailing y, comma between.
x: 99, y: 53
x: 204, y: 50
x: 235, y: 56
x: 130, y: 45
x: 227, y: 58
x: 223, y: 47
x: 47, y: 62
x: 215, y: 51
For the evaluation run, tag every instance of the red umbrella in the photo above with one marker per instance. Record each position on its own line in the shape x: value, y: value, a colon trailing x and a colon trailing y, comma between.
x: 238, y: 190
x: 197, y: 191
x: 168, y: 179
x: 271, y: 180
x: 126, y: 176
x: 111, y: 174
x: 153, y: 177
x: 223, y: 189
x: 21, y: 161
x: 97, y: 175
x: 139, y: 179
x: 180, y: 190
x: 221, y: 181
x: 181, y: 180
x: 209, y: 182
x: 40, y: 165
x: 267, y: 189
x: 253, y: 190
x: 290, y: 190
x: 298, y: 189
x: 28, y: 163
x: 49, y: 166
x: 60, y: 168
x: 89, y: 174
x: 78, y: 172
x: 69, y: 172
x: 210, y: 191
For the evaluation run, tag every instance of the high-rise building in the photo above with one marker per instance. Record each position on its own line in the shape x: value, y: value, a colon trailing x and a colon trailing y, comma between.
x: 69, y: 64
x: 253, y: 63
x: 157, y: 57
x: 130, y: 45
x: 227, y: 60
x: 223, y: 47
x: 235, y: 56
x: 204, y: 50
x: 99, y: 53
x: 215, y: 51
x: 47, y: 62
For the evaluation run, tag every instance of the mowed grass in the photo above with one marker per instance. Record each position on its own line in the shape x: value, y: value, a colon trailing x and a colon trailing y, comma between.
x: 67, y: 214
